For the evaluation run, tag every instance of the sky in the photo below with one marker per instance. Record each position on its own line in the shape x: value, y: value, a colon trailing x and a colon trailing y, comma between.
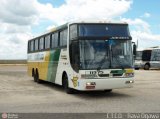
x: 22, y: 20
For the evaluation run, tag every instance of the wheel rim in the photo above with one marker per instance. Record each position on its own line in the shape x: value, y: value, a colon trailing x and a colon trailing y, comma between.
x: 147, y: 66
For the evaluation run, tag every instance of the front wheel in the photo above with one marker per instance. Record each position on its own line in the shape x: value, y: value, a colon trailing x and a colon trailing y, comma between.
x: 146, y: 67
x: 66, y: 85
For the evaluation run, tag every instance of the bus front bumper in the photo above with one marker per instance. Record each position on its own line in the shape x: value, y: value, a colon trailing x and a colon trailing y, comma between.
x: 104, y: 84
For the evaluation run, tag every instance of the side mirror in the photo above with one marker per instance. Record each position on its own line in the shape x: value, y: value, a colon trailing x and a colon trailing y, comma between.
x: 134, y: 49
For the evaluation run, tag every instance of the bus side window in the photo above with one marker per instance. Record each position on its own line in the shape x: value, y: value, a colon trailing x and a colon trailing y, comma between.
x: 29, y: 46
x: 54, y: 40
x: 41, y: 44
x: 47, y: 42
x: 73, y: 32
x: 32, y: 46
x: 74, y: 55
x: 63, y: 37
x: 36, y: 45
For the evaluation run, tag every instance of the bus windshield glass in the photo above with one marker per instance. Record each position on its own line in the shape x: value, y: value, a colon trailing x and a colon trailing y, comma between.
x: 103, y: 30
x: 121, y: 54
x: 139, y: 55
x: 105, y: 54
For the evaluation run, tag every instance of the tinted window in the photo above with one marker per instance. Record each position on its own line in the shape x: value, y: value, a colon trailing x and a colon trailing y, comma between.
x: 36, y: 44
x: 74, y: 55
x: 102, y: 30
x: 47, y: 42
x: 63, y: 38
x: 29, y: 46
x: 32, y: 45
x: 146, y: 55
x: 155, y: 55
x: 138, y: 55
x: 41, y: 44
x: 54, y: 40
x: 73, y: 31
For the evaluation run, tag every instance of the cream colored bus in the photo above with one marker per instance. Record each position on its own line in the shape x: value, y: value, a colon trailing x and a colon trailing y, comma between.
x: 83, y: 56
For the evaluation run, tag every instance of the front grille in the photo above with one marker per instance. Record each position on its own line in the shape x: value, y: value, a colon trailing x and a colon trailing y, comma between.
x: 103, y: 75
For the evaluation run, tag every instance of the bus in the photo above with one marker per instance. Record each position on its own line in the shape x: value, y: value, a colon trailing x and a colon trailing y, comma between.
x: 84, y: 56
x: 148, y: 58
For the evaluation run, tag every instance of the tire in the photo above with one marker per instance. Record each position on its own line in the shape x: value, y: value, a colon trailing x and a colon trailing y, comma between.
x: 146, y: 67
x: 36, y: 77
x: 66, y: 85
x: 108, y: 91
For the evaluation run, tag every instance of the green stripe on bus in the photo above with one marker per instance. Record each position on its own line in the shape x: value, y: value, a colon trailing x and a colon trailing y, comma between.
x: 53, y: 64
x: 118, y: 71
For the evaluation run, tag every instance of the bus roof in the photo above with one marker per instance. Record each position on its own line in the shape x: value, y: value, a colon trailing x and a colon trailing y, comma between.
x: 79, y: 22
x: 97, y: 21
x: 52, y: 30
x: 152, y: 48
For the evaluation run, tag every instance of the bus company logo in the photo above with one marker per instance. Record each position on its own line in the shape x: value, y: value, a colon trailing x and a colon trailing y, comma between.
x: 4, y: 115
x: 100, y: 72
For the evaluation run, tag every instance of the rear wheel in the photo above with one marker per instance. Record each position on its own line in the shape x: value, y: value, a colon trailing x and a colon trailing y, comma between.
x: 36, y: 77
x: 66, y: 85
x: 146, y: 67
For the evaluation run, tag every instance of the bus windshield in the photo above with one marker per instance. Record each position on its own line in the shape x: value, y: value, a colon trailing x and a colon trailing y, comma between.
x: 102, y: 30
x: 139, y: 55
x: 100, y: 46
x: 105, y: 54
